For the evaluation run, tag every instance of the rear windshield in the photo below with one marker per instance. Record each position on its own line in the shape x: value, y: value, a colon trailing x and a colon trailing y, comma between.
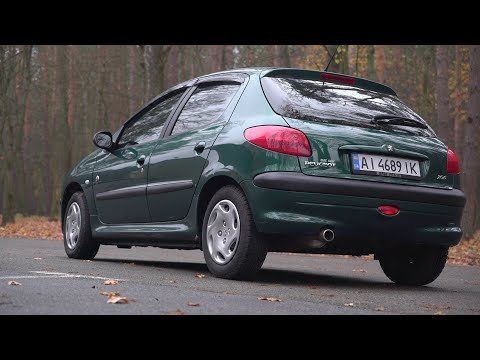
x: 336, y: 103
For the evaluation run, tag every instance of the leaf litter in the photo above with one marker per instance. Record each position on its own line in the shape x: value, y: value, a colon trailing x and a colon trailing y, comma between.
x: 110, y: 282
x: 117, y: 300
x: 271, y: 299
x: 467, y: 252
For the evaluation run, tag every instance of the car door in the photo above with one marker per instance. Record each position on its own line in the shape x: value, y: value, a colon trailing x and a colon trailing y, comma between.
x: 178, y: 159
x: 120, y: 176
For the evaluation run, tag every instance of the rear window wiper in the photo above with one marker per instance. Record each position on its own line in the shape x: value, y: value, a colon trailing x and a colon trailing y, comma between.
x: 397, y: 120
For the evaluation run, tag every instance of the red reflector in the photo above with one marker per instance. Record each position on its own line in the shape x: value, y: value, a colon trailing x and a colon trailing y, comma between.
x: 338, y: 79
x: 452, y: 163
x: 388, y: 210
x: 279, y: 139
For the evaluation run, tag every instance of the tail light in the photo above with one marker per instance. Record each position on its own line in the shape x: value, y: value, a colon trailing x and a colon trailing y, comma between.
x: 280, y: 139
x: 452, y: 163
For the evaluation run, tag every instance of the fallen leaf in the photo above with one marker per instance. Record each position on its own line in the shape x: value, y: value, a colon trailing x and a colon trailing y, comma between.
x: 200, y: 276
x: 440, y: 313
x: 117, y: 300
x: 359, y: 270
x: 109, y: 293
x: 380, y: 308
x: 230, y: 293
x: 349, y: 304
x: 437, y: 307
x: 272, y: 299
x: 110, y: 282
x: 193, y: 304
x: 176, y: 312
x: 14, y: 283
x: 327, y: 295
x: 37, y: 258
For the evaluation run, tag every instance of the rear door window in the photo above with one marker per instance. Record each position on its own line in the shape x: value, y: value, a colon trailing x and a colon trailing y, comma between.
x: 205, y: 106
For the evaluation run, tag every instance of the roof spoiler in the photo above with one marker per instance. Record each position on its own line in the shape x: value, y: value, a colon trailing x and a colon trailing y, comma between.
x: 329, y: 77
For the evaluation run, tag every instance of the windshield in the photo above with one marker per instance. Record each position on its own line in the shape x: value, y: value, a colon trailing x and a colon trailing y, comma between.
x: 327, y: 102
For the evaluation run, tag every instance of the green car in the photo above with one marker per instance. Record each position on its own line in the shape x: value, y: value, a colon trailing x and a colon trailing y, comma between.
x: 242, y: 162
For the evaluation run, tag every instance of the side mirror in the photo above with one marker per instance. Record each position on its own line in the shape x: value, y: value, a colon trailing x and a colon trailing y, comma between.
x: 103, y: 140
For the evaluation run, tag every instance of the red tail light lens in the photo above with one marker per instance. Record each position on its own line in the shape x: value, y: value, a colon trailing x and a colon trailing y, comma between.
x: 452, y: 163
x: 279, y: 139
x: 388, y: 210
x: 345, y: 80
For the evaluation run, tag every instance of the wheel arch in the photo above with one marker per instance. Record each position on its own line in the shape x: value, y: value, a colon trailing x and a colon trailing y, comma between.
x: 208, y: 190
x: 70, y: 189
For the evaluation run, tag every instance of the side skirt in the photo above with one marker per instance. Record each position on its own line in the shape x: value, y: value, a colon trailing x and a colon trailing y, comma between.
x: 174, y: 235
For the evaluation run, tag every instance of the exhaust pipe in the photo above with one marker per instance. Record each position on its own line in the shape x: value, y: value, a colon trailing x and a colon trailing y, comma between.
x: 327, y: 235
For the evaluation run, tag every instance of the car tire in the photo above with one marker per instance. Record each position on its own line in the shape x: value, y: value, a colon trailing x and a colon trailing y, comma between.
x: 231, y: 245
x: 77, y: 233
x: 416, y: 267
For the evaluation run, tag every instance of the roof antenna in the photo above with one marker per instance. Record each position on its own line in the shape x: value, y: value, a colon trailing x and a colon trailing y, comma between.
x: 329, y: 62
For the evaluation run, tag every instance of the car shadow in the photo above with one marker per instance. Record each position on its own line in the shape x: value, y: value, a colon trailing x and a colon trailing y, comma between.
x: 282, y: 277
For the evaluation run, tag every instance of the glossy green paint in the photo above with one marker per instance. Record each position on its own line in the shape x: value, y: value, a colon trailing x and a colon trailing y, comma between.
x: 175, y: 159
x: 336, y: 143
x: 355, y: 220
x: 171, y: 219
x: 118, y: 170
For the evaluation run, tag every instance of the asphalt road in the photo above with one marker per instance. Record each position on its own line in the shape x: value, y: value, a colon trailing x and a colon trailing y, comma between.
x: 157, y: 281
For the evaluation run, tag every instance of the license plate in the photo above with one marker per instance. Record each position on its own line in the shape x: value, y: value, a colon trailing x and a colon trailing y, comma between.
x: 385, y: 166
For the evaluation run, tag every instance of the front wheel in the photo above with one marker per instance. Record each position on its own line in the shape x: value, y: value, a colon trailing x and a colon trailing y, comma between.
x: 231, y: 245
x: 77, y: 234
x: 417, y: 266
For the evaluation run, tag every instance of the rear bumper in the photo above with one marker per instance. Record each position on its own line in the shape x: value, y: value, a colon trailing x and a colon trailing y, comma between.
x: 292, y: 181
x: 294, y: 206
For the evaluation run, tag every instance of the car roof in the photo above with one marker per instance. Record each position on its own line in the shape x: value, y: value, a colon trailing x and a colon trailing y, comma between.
x: 305, y: 74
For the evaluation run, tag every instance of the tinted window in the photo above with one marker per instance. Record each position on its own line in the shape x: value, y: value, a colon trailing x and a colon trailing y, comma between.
x: 205, y: 106
x: 335, y: 103
x: 149, y: 126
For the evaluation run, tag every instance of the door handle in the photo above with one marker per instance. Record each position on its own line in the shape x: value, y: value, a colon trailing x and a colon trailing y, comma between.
x: 200, y: 147
x: 141, y: 161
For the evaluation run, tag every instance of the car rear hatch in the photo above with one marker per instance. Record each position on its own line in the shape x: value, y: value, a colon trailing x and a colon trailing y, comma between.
x: 357, y: 129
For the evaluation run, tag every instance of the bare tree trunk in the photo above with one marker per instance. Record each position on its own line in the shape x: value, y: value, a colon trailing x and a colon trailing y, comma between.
x: 371, y: 62
x: 227, y: 57
x: 444, y: 124
x: 71, y: 102
x: 216, y: 53
x: 132, y: 79
x: 380, y: 62
x: 458, y: 134
x: 17, y: 75
x: 158, y: 62
x: 172, y: 69
x: 282, y: 58
x: 470, y: 163
x: 343, y: 56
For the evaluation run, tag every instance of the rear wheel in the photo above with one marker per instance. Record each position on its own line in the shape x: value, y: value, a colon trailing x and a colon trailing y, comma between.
x: 231, y: 245
x: 77, y: 234
x: 417, y: 266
